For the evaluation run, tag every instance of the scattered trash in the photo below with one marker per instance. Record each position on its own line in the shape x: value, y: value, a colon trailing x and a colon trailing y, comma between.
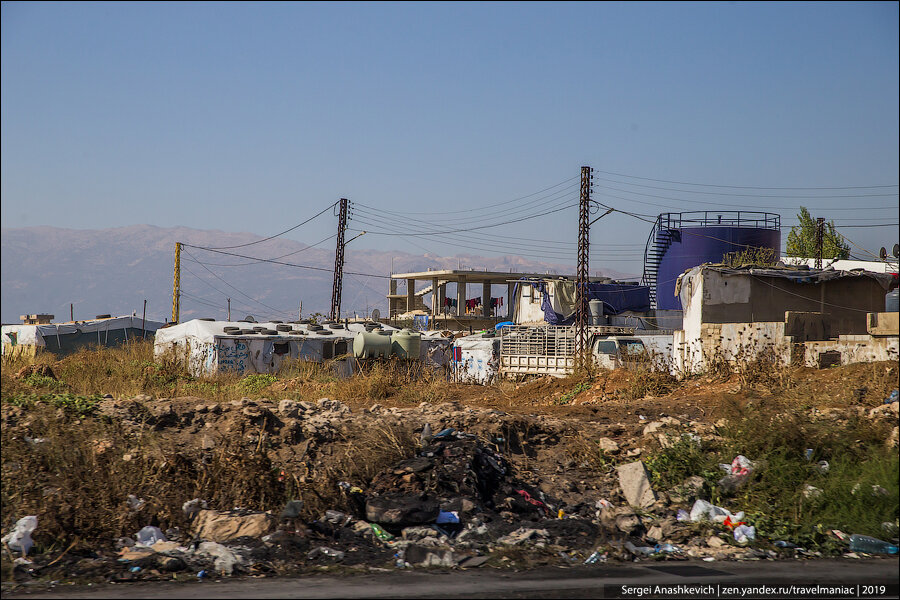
x: 292, y: 509
x: 809, y: 454
x: 448, y: 517
x: 870, y: 545
x: 822, y: 466
x: 682, y: 515
x: 135, y: 503
x: 192, y: 507
x: 325, y: 551
x: 732, y: 521
x: 201, y: 574
x: 336, y: 517
x: 426, y: 435
x: 149, y: 535
x: 840, y: 535
x: 380, y: 533
x: 744, y: 534
x: 894, y: 397
x: 225, y: 559
x: 877, y: 490
x: 709, y: 559
x: 602, y: 503
x: 596, y: 557
x: 135, y: 570
x: 19, y: 539
x: 784, y: 544
x: 639, y: 550
x: 741, y: 465
x: 666, y: 549
x: 811, y: 491
x: 704, y: 511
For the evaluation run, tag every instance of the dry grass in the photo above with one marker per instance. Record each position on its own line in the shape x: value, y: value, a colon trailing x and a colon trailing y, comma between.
x: 77, y: 480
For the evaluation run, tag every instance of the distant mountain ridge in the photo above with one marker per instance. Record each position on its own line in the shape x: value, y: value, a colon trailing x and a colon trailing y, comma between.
x: 113, y: 271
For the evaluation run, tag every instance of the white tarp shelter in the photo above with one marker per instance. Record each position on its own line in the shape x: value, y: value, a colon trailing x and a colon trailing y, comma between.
x: 68, y: 337
x: 476, y: 359
x: 209, y: 349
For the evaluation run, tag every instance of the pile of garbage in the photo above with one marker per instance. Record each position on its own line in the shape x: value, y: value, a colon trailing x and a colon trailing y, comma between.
x: 458, y: 503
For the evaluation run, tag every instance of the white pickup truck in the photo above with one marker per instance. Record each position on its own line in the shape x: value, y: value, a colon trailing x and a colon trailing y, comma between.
x: 612, y: 351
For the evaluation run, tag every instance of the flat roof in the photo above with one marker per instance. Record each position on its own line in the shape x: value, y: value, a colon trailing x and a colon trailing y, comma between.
x: 472, y: 276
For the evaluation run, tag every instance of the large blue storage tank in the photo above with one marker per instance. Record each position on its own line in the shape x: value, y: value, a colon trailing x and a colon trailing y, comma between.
x: 680, y: 241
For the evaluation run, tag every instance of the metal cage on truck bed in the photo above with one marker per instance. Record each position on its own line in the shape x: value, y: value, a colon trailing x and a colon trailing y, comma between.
x: 549, y: 350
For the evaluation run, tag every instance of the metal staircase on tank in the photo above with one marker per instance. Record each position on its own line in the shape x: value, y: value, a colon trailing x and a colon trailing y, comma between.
x: 661, y: 237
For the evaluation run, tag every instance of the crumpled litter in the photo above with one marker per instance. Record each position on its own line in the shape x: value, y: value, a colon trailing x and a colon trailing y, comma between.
x: 149, y: 535
x: 19, y: 539
x: 704, y: 511
x: 744, y: 533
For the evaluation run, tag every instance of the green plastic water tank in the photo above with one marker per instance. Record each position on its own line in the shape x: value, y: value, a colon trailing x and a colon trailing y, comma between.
x: 405, y: 344
x: 371, y: 345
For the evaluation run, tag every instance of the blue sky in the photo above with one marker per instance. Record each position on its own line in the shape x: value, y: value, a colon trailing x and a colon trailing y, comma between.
x: 254, y: 117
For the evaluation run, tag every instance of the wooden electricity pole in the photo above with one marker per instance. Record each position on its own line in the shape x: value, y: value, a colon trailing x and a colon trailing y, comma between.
x: 339, y: 263
x: 176, y: 285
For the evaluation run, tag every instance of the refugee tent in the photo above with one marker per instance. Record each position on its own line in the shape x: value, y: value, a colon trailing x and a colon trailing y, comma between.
x: 246, y: 348
x: 65, y: 338
x: 476, y: 358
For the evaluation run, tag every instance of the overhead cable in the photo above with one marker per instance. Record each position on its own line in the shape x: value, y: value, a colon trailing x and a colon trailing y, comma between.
x: 749, y: 187
x: 271, y: 236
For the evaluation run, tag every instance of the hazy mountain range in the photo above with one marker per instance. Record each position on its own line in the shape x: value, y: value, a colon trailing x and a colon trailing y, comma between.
x: 112, y: 271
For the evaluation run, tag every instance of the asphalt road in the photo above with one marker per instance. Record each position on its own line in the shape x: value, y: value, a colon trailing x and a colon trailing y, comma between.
x: 696, y: 579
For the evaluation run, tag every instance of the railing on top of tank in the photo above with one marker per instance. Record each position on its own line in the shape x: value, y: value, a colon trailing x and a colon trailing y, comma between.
x: 739, y: 218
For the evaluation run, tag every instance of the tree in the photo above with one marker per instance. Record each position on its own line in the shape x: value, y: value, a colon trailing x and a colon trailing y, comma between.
x: 802, y: 239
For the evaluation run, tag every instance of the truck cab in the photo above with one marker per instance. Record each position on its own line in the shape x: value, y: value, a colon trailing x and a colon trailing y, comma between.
x: 613, y: 351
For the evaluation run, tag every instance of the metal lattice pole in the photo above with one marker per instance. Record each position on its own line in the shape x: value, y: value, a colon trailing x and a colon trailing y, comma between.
x: 820, y: 226
x: 581, y: 283
x: 339, y: 263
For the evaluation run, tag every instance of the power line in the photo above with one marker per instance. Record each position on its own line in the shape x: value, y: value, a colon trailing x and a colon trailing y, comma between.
x: 477, y: 215
x: 239, y: 291
x: 656, y: 187
x: 271, y: 236
x: 278, y: 262
x: 258, y: 260
x: 450, y: 212
x: 748, y: 187
x: 716, y: 203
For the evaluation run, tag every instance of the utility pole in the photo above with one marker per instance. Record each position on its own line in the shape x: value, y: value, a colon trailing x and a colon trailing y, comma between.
x: 339, y: 263
x: 581, y: 283
x: 820, y: 234
x: 229, y: 309
x: 176, y: 285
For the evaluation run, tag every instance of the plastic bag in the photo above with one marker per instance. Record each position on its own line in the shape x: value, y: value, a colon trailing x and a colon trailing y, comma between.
x: 19, y: 539
x: 704, y: 511
x: 149, y: 535
x: 744, y: 533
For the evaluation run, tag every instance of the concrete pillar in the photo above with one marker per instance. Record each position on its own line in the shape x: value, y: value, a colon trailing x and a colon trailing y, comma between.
x: 442, y: 295
x: 486, y: 299
x: 461, y: 295
x: 410, y: 294
x: 510, y: 299
x: 435, y: 302
x: 393, y: 305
